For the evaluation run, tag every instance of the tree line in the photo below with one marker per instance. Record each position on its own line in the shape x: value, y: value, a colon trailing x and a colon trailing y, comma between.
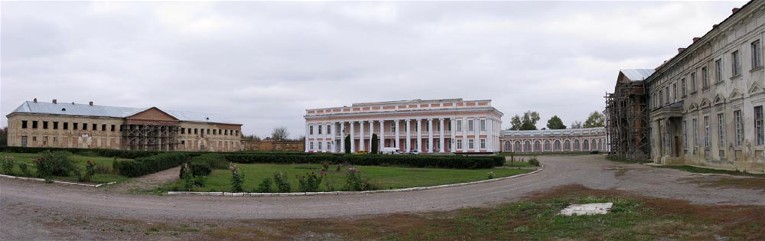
x: 530, y: 118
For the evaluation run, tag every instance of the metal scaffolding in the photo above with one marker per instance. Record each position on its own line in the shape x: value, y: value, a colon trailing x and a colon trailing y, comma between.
x: 149, y: 136
x: 627, y: 124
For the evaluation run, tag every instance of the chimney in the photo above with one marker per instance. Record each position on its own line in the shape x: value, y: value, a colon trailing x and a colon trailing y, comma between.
x: 679, y: 50
x: 715, y: 25
x: 35, y: 100
x: 696, y: 39
x: 90, y: 103
x: 54, y: 101
x: 734, y: 10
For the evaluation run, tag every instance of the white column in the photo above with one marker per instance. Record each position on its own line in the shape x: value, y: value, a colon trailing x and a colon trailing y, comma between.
x: 464, y: 134
x: 306, y: 137
x: 441, y: 139
x: 371, y: 133
x: 453, y: 142
x: 419, y: 136
x: 362, y: 146
x: 477, y: 133
x: 398, y: 146
x: 430, y: 135
x: 342, y: 137
x: 353, y: 141
x: 332, y: 134
x: 382, y: 134
x: 408, y: 137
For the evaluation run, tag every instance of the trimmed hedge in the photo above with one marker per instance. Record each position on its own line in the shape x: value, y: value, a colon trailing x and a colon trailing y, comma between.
x: 455, y: 162
x: 100, y: 152
x: 152, y: 164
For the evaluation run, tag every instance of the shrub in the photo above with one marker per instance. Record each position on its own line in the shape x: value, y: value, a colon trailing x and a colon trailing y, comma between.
x: 214, y: 160
x: 237, y: 179
x: 354, y: 182
x: 264, y: 186
x: 282, y: 184
x: 533, y: 161
x: 200, y: 167
x: 152, y: 164
x: 200, y: 181
x: 310, y: 182
x: 90, y: 170
x: 24, y: 169
x: 490, y: 175
x: 54, y: 164
x: 7, y: 164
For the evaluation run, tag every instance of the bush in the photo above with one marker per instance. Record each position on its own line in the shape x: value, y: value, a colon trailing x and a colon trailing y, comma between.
x: 152, y: 164
x: 237, y: 179
x: 24, y: 169
x: 54, y: 164
x: 264, y: 186
x: 533, y: 161
x: 456, y: 162
x: 214, y: 160
x: 354, y: 182
x: 7, y: 164
x: 310, y: 182
x: 200, y: 167
x: 85, y: 152
x: 282, y: 184
x: 90, y: 170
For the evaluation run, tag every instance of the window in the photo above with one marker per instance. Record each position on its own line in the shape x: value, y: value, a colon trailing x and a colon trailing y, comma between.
x: 74, y: 126
x: 113, y: 127
x: 470, y: 143
x: 319, y: 133
x: 739, y: 127
x: 195, y: 131
x: 760, y: 136
x: 23, y: 124
x: 84, y: 126
x: 735, y: 64
x: 208, y: 131
x: 95, y: 127
x: 483, y: 143
x: 45, y: 125
x: 706, y: 132
x: 66, y: 125
x: 721, y: 130
x: 674, y: 90
x: 684, y: 86
x: 311, y: 145
x: 459, y: 143
x: 329, y: 130
x: 320, y: 144
x: 215, y: 131
x: 459, y: 125
x: 704, y: 78
x: 328, y: 145
x: 718, y: 70
x: 483, y: 125
x: 693, y: 82
x: 695, y: 132
x: 310, y: 129
x: 34, y: 125
x: 685, y: 136
x: 183, y: 130
x: 470, y: 125
x: 756, y: 54
x: 661, y: 98
x: 103, y: 127
x: 666, y: 95
x: 55, y: 125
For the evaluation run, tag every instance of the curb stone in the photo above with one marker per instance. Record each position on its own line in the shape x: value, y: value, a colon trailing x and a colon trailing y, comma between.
x: 60, y: 182
x: 292, y: 194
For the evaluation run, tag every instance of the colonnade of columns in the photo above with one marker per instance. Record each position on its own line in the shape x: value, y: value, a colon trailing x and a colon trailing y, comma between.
x: 443, y: 137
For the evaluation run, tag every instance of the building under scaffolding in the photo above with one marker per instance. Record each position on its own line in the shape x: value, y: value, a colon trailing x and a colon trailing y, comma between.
x: 627, y: 124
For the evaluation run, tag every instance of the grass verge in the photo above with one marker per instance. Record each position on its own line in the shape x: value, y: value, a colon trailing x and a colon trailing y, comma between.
x: 104, y: 172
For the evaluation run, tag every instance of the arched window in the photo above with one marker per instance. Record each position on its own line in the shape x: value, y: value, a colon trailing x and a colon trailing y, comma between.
x: 517, y: 146
x: 586, y: 145
x: 547, y: 145
x: 507, y: 146
x: 600, y: 145
x: 576, y: 145
x: 537, y: 146
x: 556, y: 145
x: 527, y: 146
x: 566, y: 145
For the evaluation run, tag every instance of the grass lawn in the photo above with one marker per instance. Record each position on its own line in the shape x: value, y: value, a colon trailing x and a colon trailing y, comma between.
x: 104, y: 172
x: 631, y: 218
x: 381, y: 177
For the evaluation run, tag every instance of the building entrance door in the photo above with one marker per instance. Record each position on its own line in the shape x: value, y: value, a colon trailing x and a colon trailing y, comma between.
x: 677, y: 146
x: 24, y: 141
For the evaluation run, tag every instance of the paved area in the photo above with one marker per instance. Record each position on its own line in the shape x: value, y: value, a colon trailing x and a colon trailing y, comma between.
x: 26, y: 206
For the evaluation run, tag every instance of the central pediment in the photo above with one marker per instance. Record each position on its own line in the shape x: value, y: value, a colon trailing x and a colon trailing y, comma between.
x: 152, y: 115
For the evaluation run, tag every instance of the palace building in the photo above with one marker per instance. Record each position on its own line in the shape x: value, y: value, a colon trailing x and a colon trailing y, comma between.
x: 425, y: 126
x: 564, y: 140
x: 706, y: 103
x: 71, y: 125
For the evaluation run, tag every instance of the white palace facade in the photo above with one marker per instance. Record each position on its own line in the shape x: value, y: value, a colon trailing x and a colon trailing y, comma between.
x: 565, y: 140
x: 425, y: 126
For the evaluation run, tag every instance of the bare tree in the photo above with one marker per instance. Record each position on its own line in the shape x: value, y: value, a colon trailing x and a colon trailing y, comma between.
x: 280, y: 134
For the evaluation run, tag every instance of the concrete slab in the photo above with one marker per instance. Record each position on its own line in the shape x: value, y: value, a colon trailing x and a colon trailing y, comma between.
x: 586, y: 209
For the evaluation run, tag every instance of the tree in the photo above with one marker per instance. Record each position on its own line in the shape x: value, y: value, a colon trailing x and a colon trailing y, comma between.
x: 375, y: 144
x: 576, y: 125
x: 279, y: 134
x: 4, y: 136
x: 527, y: 122
x: 251, y: 137
x: 348, y: 144
x: 555, y: 123
x: 596, y: 119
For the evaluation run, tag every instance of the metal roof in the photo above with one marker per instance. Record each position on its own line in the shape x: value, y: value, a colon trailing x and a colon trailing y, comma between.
x: 637, y: 74
x: 74, y: 109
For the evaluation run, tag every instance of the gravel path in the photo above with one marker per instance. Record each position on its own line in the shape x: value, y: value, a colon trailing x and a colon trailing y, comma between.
x: 147, y: 182
x: 32, y: 202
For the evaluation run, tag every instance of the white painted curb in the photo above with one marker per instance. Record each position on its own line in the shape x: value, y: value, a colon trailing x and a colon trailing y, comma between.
x: 252, y: 194
x: 61, y: 182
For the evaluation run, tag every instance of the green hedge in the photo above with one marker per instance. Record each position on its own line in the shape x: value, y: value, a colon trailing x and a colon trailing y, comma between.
x: 152, y: 164
x: 456, y: 162
x: 99, y: 152
x: 203, y: 164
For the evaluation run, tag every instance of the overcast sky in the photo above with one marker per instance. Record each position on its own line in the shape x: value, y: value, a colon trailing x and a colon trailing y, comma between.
x: 263, y: 63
